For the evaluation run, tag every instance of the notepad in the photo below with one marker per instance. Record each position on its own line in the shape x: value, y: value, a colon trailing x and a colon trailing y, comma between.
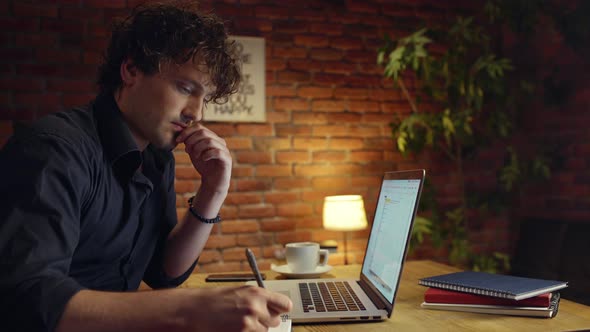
x: 489, y: 284
x: 285, y: 325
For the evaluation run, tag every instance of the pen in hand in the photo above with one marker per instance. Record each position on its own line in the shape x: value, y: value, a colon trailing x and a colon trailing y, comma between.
x: 254, y: 267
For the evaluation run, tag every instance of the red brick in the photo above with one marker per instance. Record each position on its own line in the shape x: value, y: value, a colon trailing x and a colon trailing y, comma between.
x: 291, y: 183
x: 347, y: 43
x: 272, y: 143
x: 290, y: 27
x: 329, y: 79
x: 361, y: 56
x: 238, y: 143
x: 329, y: 105
x: 186, y: 173
x: 363, y: 81
x: 19, y: 24
x: 253, y: 157
x: 254, y: 129
x: 275, y: 65
x: 253, y: 185
x: 185, y: 186
x: 285, y: 157
x: 345, y: 143
x: 320, y: 170
x: 236, y: 198
x: 327, y: 54
x: 271, y: 12
x: 309, y: 118
x: 284, y: 225
x: 280, y: 91
x: 58, y: 56
x: 351, y: 93
x: 242, y: 171
x: 290, y: 130
x: 221, y: 267
x: 278, y: 117
x: 256, y: 211
x: 251, y: 240
x: 297, y: 236
x: 310, y: 143
x: 37, y: 99
x: 16, y: 55
x: 293, y: 77
x: 352, y: 131
x: 311, y: 40
x: 209, y: 256
x: 34, y: 10
x: 106, y: 3
x: 21, y: 84
x: 294, y: 210
x: 273, y: 171
x: 239, y: 226
x: 331, y: 156
x: 290, y: 104
x: 77, y: 13
x: 233, y: 254
x: 221, y: 241
x: 305, y: 65
x: 361, y: 7
x: 364, y: 156
x: 5, y: 98
x: 309, y: 222
x: 289, y: 52
x: 329, y: 29
x: 37, y: 39
x: 228, y: 212
x: 330, y: 183
x: 315, y: 92
x: 343, y: 118
x: 181, y: 157
x: 65, y: 85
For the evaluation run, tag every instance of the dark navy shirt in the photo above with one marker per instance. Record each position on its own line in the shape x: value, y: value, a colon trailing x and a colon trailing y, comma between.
x: 80, y: 207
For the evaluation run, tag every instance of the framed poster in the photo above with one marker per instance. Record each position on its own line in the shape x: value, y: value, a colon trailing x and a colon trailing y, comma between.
x: 249, y: 103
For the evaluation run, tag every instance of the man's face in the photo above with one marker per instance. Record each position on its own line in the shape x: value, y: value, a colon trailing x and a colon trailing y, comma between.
x: 160, y: 105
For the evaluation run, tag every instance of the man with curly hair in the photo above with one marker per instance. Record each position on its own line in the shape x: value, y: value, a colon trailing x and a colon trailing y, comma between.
x: 88, y: 202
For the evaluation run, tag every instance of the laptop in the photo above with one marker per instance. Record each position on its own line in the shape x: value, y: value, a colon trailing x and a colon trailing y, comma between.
x: 372, y: 296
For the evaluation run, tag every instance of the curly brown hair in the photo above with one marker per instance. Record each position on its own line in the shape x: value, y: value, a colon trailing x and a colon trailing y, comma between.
x: 174, y: 32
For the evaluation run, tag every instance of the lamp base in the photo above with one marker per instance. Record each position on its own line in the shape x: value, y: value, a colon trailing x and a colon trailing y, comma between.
x: 330, y: 245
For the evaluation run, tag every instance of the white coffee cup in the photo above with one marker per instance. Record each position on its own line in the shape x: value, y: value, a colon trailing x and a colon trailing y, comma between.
x: 305, y: 256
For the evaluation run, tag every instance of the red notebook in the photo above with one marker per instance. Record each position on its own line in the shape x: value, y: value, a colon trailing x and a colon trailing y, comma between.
x: 438, y: 295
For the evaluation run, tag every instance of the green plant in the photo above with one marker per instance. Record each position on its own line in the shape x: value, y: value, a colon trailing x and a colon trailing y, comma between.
x: 463, y: 101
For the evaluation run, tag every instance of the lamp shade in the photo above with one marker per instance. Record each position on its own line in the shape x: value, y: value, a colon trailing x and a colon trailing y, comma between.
x: 344, y: 213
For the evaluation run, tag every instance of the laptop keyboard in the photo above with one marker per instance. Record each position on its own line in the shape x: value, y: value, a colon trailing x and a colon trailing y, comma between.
x: 329, y: 296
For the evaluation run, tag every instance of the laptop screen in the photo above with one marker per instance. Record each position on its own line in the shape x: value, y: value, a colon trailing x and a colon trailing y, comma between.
x: 389, y: 234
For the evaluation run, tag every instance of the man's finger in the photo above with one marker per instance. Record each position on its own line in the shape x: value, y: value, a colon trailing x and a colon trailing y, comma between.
x: 279, y: 303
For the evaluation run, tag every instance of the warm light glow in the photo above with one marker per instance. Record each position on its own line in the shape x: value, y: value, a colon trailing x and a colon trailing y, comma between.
x: 344, y: 213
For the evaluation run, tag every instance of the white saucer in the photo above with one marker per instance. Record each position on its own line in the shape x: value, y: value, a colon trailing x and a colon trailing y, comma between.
x: 286, y: 271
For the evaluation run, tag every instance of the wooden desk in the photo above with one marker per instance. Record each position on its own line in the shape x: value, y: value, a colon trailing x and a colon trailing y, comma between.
x: 408, y: 316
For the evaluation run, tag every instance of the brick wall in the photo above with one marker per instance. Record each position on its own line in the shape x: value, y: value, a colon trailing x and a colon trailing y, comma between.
x: 328, y: 109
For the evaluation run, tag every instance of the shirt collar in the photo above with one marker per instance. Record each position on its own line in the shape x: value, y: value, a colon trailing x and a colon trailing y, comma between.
x: 118, y: 143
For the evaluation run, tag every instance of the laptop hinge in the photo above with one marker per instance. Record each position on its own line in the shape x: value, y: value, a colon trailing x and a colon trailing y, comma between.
x: 371, y: 294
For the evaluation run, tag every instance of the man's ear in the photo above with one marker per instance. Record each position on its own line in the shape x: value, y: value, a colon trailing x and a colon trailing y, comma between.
x: 129, y: 72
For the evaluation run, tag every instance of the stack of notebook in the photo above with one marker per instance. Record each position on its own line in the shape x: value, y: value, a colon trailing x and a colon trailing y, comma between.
x: 492, y: 294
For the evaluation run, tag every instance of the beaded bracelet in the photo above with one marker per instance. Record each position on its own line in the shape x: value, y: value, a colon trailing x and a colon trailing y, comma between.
x: 200, y: 217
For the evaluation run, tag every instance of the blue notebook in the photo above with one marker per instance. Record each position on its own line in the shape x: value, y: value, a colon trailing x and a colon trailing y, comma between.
x: 497, y: 285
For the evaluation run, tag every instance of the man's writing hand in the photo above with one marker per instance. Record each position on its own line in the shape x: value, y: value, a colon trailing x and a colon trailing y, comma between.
x: 243, y: 308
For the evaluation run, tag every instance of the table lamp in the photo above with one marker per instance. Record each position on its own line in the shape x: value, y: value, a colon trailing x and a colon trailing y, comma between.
x: 344, y: 213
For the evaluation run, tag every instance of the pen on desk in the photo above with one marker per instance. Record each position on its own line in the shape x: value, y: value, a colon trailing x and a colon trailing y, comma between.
x: 254, y: 267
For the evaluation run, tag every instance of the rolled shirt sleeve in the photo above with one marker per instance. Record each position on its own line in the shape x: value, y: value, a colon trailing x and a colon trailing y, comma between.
x: 43, y: 189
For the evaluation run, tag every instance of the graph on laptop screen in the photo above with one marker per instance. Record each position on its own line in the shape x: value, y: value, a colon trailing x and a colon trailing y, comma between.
x: 389, y: 234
